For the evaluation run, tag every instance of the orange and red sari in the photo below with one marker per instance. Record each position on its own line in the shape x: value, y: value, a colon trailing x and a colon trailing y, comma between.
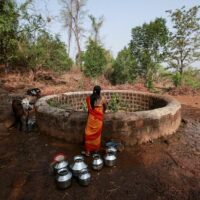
x: 93, y: 128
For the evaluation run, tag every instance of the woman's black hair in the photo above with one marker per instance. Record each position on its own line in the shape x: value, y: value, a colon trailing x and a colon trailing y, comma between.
x: 95, y: 95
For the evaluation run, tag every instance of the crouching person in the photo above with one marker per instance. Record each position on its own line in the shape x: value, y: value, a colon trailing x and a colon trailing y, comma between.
x: 21, y: 110
x: 24, y: 110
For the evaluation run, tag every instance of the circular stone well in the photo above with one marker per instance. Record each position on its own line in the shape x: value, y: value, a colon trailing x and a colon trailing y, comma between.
x: 144, y: 117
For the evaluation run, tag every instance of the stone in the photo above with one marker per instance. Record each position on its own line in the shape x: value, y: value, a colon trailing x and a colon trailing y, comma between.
x: 130, y: 127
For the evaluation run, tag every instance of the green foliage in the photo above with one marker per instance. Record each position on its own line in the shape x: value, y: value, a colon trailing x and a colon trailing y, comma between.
x: 51, y: 53
x: 58, y: 104
x: 177, y: 79
x: 94, y: 59
x: 149, y: 84
x: 191, y: 77
x: 124, y: 67
x: 8, y: 30
x: 108, y: 70
x: 148, y: 46
x: 47, y: 52
x: 114, y: 103
x: 184, y: 43
x: 84, y: 106
x: 23, y: 41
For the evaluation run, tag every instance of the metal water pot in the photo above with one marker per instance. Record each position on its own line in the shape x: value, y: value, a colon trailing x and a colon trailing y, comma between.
x: 78, y: 165
x: 110, y: 159
x: 112, y: 150
x: 63, y: 178
x: 60, y: 165
x: 97, y: 162
x: 84, y: 177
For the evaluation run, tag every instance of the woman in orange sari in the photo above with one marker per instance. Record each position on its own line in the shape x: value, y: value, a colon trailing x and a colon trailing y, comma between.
x: 96, y: 105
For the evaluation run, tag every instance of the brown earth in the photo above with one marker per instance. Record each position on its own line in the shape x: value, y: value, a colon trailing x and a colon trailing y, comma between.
x: 168, y: 168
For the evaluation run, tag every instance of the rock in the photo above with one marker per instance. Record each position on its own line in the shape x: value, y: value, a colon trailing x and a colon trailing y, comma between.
x: 9, y: 121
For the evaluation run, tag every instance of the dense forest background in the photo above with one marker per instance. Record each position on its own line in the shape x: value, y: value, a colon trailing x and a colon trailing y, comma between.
x: 154, y: 52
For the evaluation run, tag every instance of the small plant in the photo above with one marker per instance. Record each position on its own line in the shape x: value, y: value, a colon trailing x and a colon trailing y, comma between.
x: 191, y: 78
x: 54, y: 103
x: 149, y: 84
x: 57, y: 104
x: 177, y: 79
x: 84, y: 106
x: 114, y: 103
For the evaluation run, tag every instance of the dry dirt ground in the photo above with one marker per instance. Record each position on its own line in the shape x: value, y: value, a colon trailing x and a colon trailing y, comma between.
x: 168, y: 168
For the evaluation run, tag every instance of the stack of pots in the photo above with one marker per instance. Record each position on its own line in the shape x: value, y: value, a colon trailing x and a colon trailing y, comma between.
x: 80, y: 170
x: 63, y: 175
x: 110, y: 157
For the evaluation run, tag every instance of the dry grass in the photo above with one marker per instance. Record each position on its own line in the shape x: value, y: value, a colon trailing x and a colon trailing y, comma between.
x: 51, y: 83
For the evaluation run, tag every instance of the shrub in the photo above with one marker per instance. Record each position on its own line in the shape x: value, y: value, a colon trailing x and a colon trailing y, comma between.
x: 124, y: 68
x: 114, y: 103
x: 94, y: 59
x: 177, y: 79
x: 47, y: 52
x: 191, y: 77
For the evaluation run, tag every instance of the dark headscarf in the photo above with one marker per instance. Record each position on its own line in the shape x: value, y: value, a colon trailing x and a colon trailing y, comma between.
x: 95, y: 95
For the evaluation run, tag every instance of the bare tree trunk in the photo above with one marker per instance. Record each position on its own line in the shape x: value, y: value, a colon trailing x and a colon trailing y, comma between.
x: 79, y: 49
x: 70, y: 27
x: 74, y: 13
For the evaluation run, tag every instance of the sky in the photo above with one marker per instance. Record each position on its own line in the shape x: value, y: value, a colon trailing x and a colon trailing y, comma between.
x: 120, y: 16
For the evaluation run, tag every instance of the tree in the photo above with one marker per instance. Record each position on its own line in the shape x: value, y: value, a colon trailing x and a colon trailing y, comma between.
x: 148, y: 46
x: 46, y: 51
x: 15, y: 23
x: 96, y: 25
x: 50, y: 53
x: 73, y: 14
x: 124, y: 67
x: 184, y: 43
x: 8, y: 31
x: 94, y: 59
x: 66, y: 14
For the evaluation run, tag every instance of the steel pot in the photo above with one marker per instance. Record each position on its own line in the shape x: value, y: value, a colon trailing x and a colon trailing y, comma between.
x: 112, y: 150
x: 78, y: 165
x: 84, y: 177
x: 97, y: 162
x: 110, y: 159
x: 63, y: 178
x: 60, y: 165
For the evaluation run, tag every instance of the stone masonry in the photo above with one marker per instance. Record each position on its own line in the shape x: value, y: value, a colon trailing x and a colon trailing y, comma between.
x: 146, y: 117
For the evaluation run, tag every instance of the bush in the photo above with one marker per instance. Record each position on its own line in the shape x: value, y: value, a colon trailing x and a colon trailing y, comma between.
x: 114, y: 103
x: 47, y: 52
x: 94, y: 59
x: 124, y: 68
x: 177, y: 79
x: 191, y: 78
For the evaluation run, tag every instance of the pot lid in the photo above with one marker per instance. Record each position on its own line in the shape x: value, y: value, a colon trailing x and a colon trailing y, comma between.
x: 61, y: 164
x: 111, y: 149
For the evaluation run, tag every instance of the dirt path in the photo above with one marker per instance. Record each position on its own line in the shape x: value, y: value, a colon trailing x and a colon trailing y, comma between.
x: 193, y: 101
x: 168, y: 168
